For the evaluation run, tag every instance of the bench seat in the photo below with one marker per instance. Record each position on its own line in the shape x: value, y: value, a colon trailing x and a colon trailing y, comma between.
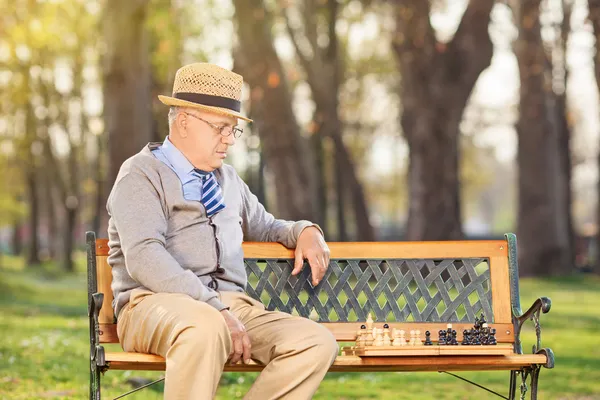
x: 150, y: 362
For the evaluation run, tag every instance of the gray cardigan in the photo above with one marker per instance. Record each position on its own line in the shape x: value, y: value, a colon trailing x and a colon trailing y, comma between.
x: 162, y: 242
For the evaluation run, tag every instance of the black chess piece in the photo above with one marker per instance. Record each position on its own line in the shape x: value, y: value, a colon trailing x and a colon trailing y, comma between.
x: 454, y: 342
x: 465, y: 341
x: 363, y: 327
x: 428, y: 339
x: 442, y: 338
x: 492, y: 340
x: 386, y: 326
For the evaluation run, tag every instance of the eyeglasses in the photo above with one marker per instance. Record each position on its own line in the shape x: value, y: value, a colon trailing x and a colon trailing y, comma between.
x: 224, y: 130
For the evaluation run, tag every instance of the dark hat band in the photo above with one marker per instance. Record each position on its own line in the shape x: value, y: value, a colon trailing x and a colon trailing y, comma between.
x: 210, y: 100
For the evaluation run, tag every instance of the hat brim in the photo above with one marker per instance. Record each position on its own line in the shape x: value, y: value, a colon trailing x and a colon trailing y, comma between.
x: 174, y: 102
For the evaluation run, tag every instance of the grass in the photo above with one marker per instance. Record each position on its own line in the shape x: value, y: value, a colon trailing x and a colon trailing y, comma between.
x: 44, y: 346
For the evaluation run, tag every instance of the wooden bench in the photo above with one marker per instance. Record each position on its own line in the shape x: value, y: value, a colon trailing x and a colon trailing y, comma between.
x: 409, y: 285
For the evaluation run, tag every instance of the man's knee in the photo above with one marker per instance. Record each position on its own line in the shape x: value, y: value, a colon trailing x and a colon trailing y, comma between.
x: 209, y: 332
x: 324, y: 344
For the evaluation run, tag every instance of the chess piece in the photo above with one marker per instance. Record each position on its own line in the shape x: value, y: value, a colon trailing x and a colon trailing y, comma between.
x: 369, y: 322
x: 465, y: 341
x: 402, y: 338
x: 428, y: 339
x: 379, y: 337
x: 386, y: 335
x: 418, y: 341
x: 412, y: 338
x: 396, y: 336
x: 454, y: 342
x: 442, y: 338
x: 361, y: 336
x: 369, y: 338
x: 492, y: 340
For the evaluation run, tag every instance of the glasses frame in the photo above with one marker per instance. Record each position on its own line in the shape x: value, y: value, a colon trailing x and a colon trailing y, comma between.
x: 235, y: 130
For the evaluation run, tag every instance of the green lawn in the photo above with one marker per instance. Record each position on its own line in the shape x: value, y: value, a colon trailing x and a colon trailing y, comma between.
x: 44, y: 347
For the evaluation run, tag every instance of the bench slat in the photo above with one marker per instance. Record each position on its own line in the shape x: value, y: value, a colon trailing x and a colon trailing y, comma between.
x: 150, y: 362
x: 445, y: 249
x: 346, y: 331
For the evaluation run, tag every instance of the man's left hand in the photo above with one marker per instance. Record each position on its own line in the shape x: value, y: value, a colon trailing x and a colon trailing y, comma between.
x: 312, y: 247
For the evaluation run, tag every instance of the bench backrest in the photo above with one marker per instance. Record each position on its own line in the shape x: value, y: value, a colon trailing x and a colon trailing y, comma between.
x: 410, y: 285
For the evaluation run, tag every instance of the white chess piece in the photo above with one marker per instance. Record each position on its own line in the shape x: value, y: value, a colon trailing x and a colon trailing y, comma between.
x: 402, y: 338
x: 418, y: 341
x: 379, y: 337
x: 412, y: 338
x: 386, y: 337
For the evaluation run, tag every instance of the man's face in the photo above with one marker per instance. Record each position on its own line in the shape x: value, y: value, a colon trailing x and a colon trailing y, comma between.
x: 209, y: 136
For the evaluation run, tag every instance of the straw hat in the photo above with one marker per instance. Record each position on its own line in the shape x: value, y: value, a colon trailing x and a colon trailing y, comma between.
x: 207, y: 87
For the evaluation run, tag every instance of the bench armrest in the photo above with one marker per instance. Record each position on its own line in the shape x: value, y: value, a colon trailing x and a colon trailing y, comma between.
x: 543, y: 305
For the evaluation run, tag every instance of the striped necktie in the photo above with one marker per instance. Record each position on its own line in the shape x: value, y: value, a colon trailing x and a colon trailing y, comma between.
x: 212, y: 198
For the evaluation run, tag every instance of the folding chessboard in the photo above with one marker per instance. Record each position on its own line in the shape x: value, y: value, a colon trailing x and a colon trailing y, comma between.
x: 375, y: 342
x: 433, y: 350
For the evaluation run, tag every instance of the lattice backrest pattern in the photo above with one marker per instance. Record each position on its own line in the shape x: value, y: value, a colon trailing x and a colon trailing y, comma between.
x: 414, y: 290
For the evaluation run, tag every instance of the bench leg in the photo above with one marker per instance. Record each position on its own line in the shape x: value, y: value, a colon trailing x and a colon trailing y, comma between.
x: 534, y: 373
x: 95, y: 384
x: 512, y: 389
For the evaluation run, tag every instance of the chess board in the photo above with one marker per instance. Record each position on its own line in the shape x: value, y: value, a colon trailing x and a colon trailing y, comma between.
x: 434, y: 350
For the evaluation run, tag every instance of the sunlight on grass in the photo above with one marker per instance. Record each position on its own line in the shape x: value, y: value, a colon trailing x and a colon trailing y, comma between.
x: 44, y: 349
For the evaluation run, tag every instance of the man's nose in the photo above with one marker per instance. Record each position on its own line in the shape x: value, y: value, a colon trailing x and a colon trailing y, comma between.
x: 229, y: 139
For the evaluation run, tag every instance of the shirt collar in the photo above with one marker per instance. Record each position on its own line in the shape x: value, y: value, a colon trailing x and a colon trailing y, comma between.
x: 181, y: 165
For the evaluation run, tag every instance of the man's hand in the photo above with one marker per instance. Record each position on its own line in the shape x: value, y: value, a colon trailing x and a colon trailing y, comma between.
x: 239, y: 338
x: 311, y: 246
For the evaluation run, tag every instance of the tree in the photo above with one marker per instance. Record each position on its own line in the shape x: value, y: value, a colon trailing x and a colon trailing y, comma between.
x: 594, y: 17
x: 284, y: 149
x: 436, y: 81
x: 324, y: 68
x: 542, y: 218
x: 126, y: 65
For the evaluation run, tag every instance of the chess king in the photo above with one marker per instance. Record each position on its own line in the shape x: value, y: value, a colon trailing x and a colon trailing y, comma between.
x: 178, y: 216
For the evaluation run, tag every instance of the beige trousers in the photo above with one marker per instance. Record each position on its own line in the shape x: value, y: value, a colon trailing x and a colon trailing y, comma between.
x: 196, y: 343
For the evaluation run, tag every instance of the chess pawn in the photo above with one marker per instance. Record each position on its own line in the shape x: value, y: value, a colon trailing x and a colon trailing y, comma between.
x: 418, y: 341
x: 402, y: 337
x: 493, y: 341
x: 396, y: 335
x: 442, y: 337
x: 379, y: 337
x: 369, y: 338
x: 361, y: 336
x: 412, y: 338
x: 386, y: 335
x: 428, y: 339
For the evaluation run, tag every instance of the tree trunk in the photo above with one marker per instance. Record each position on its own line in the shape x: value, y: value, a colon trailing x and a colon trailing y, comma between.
x: 68, y: 240
x: 542, y: 221
x: 594, y: 17
x: 286, y: 152
x: 127, y: 101
x: 316, y: 141
x: 437, y: 80
x: 33, y: 256
x: 564, y: 131
x: 341, y: 206
x: 100, y: 217
x: 17, y: 241
x: 54, y: 237
x: 324, y: 71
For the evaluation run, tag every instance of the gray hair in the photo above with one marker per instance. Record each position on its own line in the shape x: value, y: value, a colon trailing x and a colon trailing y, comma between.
x: 173, y: 111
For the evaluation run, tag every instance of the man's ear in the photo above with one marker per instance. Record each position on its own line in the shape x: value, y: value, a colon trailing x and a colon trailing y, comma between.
x: 181, y: 123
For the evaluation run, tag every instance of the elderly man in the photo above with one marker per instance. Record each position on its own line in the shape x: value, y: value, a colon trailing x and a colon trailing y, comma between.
x: 178, y: 216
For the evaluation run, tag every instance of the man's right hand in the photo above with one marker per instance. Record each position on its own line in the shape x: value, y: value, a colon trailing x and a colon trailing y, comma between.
x: 239, y: 338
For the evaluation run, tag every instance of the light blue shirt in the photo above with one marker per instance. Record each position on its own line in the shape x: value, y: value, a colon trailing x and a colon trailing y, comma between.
x: 172, y: 157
